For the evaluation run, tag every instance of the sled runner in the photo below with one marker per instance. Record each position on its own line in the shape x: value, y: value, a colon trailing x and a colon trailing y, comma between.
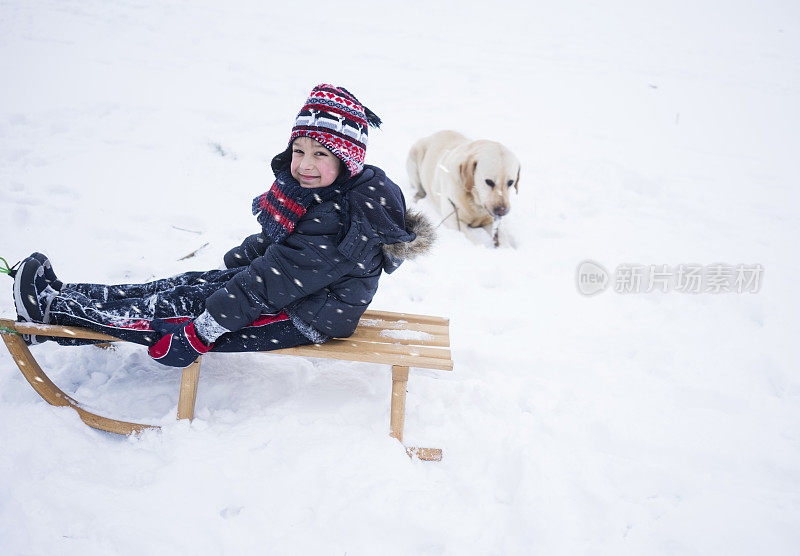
x: 401, y: 340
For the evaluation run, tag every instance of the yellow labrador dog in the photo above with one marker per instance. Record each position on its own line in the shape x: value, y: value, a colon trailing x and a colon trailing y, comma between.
x: 469, y: 181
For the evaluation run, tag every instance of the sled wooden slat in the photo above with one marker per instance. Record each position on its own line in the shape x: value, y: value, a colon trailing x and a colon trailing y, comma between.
x: 60, y: 331
x: 377, y: 352
x: 371, y: 352
x: 408, y: 317
x: 416, y: 338
x: 426, y: 345
x: 403, y: 325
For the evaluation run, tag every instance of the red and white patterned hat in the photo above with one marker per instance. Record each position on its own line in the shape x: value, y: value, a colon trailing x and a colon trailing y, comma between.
x: 333, y: 116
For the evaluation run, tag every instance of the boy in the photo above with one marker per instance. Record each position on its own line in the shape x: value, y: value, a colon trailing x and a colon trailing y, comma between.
x: 330, y: 225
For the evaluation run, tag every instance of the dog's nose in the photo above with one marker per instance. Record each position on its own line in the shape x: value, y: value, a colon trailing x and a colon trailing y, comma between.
x: 501, y: 210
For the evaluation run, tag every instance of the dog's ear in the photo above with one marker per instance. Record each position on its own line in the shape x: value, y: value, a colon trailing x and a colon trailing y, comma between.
x: 516, y: 183
x: 466, y: 170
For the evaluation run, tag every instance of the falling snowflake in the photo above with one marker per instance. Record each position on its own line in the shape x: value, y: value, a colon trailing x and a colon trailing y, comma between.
x: 298, y: 282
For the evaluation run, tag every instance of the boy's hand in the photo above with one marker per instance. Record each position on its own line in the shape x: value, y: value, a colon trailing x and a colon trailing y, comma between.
x: 251, y: 248
x: 179, y: 346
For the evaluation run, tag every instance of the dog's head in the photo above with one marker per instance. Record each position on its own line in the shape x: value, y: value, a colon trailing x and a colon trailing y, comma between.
x: 489, y: 171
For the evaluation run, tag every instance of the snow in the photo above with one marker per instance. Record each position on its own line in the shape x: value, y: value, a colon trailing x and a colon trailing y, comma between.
x: 405, y: 335
x: 650, y: 423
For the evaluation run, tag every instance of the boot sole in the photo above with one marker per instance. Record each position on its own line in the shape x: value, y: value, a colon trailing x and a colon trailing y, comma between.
x: 27, y: 274
x: 25, y: 307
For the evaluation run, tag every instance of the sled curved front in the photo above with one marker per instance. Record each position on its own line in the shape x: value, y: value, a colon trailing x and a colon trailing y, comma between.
x: 52, y: 394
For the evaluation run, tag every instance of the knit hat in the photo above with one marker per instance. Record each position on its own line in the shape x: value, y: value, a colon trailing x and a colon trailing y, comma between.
x: 333, y: 116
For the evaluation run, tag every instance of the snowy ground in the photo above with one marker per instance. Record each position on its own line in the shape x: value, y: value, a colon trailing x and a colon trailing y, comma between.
x: 651, y: 423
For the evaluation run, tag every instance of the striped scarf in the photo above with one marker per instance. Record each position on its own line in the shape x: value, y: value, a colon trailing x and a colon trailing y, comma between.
x: 279, y: 209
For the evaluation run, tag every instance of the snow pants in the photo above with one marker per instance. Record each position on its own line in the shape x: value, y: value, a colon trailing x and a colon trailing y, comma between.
x: 125, y: 311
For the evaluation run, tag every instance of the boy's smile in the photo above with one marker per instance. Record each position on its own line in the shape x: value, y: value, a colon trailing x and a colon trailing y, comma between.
x: 312, y: 164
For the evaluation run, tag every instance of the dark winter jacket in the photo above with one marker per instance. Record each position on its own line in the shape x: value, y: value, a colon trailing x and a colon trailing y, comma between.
x: 325, y: 273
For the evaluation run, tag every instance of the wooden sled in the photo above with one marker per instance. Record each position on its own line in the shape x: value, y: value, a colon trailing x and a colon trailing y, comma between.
x: 401, y: 340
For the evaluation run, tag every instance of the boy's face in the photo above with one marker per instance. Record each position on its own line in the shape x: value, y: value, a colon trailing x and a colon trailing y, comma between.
x: 312, y: 164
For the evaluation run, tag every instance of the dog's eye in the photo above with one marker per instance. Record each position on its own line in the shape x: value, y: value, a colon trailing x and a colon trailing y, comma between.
x: 490, y: 183
x: 510, y: 183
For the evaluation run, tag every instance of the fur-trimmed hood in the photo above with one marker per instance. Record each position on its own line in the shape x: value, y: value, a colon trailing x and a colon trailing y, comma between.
x: 378, y: 216
x: 418, y: 225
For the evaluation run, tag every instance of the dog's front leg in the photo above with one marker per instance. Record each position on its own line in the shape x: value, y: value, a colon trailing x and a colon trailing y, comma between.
x: 499, y: 234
